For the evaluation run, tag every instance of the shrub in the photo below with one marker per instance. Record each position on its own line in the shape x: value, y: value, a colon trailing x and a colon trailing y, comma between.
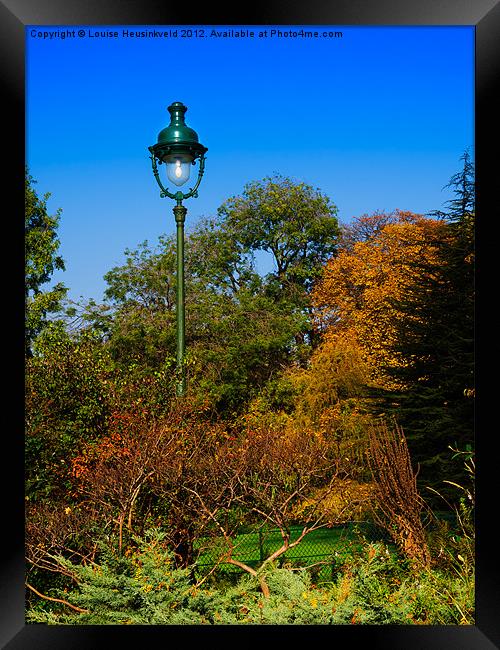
x: 140, y: 587
x: 143, y: 587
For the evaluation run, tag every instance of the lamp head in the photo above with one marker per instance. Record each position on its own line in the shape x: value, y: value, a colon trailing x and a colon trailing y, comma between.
x: 178, y: 145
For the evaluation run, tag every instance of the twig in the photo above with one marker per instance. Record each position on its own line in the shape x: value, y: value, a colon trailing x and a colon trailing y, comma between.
x: 57, y: 600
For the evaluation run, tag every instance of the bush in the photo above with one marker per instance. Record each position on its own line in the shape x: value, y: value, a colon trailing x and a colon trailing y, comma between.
x: 142, y: 587
x: 67, y: 401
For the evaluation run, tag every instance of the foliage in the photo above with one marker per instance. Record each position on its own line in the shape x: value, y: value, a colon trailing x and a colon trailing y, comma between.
x: 78, y: 405
x: 355, y: 297
x: 219, y: 260
x: 258, y: 472
x: 329, y: 397
x: 67, y: 394
x: 292, y: 221
x: 326, y: 398
x: 245, y: 343
x: 141, y: 299
x: 336, y: 373
x: 436, y: 336
x: 453, y: 544
x: 143, y: 587
x: 345, y: 500
x: 462, y: 206
x: 128, y: 485
x: 368, y: 227
x: 145, y: 469
x: 401, y: 291
x: 377, y: 588
x: 41, y: 260
x: 241, y: 328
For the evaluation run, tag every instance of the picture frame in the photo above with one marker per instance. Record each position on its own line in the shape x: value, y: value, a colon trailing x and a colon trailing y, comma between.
x: 485, y: 16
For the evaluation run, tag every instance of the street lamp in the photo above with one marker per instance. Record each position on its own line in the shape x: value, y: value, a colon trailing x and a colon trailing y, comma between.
x: 178, y: 148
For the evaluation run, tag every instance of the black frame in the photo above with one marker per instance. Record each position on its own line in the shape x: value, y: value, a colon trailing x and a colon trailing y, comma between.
x: 485, y: 16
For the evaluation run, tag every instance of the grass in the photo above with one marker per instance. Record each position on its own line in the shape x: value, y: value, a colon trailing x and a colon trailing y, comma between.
x: 331, y: 546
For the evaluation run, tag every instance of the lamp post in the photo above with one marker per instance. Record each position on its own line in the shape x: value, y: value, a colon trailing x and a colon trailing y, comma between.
x: 178, y: 148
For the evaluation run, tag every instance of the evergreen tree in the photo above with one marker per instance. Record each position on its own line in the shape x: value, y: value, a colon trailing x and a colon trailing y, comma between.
x: 436, y: 335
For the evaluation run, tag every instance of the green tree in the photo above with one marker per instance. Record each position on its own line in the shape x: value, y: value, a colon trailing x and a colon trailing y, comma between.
x: 140, y: 297
x: 241, y: 327
x: 247, y: 341
x: 237, y: 336
x: 218, y: 259
x: 41, y: 260
x: 293, y: 222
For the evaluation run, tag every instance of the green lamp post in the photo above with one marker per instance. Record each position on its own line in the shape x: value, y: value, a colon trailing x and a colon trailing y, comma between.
x: 178, y: 148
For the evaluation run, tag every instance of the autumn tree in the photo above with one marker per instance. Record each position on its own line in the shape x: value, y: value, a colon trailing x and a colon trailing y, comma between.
x: 356, y: 295
x: 113, y: 475
x: 368, y: 226
x: 41, y: 260
x: 271, y: 473
x: 401, y: 288
x: 361, y: 297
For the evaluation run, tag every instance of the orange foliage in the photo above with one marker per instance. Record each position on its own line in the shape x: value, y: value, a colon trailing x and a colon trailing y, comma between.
x: 114, y: 447
x: 353, y: 301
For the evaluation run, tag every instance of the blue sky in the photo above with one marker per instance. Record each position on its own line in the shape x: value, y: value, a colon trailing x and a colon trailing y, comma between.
x: 377, y: 120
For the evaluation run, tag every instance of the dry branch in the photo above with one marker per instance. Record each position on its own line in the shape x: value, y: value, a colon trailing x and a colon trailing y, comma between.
x: 399, y: 505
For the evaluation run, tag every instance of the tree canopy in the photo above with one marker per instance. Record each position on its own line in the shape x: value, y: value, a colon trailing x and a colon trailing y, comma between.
x: 401, y: 290
x: 292, y: 221
x: 242, y: 326
x: 41, y: 260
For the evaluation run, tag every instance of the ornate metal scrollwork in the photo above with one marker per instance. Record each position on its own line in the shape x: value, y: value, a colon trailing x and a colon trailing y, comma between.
x: 178, y: 196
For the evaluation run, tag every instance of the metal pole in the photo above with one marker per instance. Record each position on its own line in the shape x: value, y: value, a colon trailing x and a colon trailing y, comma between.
x: 180, y: 216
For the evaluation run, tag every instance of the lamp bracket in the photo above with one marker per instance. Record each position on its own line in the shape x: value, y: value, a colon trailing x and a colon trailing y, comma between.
x: 178, y: 196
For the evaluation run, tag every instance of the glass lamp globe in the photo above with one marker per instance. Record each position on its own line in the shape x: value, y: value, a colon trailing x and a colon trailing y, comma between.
x: 178, y: 169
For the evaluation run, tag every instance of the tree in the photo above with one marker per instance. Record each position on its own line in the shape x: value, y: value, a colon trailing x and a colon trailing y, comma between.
x: 241, y: 328
x: 236, y: 335
x: 356, y: 296
x: 41, y: 260
x: 268, y: 473
x: 218, y: 259
x: 330, y: 396
x: 369, y: 226
x: 461, y: 207
x: 66, y: 404
x: 293, y: 222
x: 436, y: 333
x: 141, y: 305
x: 402, y: 289
x: 391, y: 294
